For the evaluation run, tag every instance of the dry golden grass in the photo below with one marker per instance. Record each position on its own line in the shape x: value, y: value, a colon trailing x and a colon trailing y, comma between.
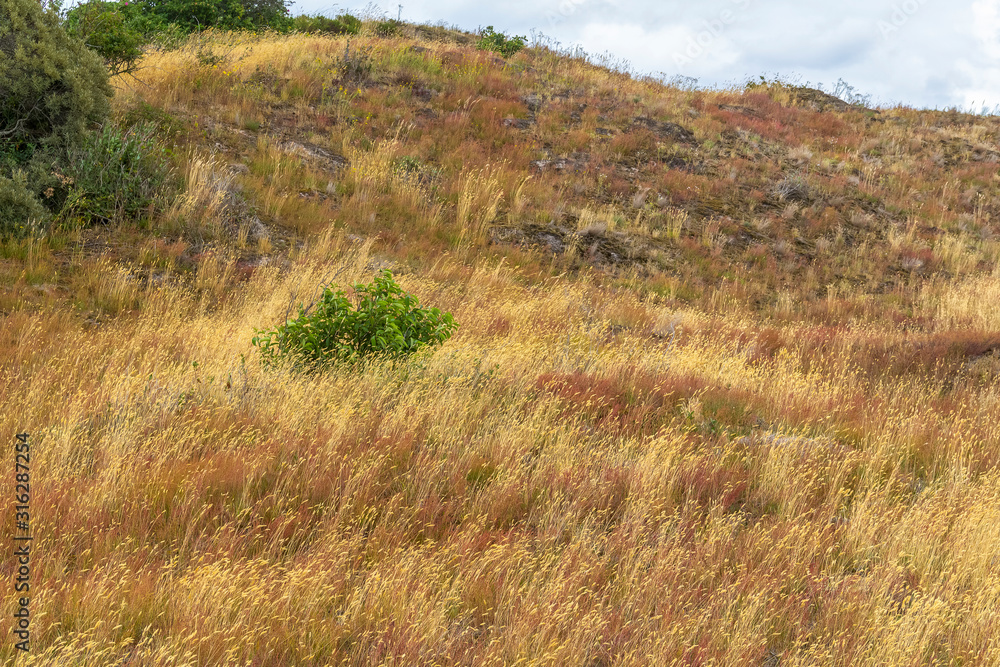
x: 537, y: 491
x: 742, y: 456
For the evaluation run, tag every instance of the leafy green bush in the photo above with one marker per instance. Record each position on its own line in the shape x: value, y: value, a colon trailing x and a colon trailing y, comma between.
x: 194, y: 15
x: 115, y: 30
x: 499, y: 42
x: 388, y: 28
x: 52, y: 88
x: 271, y: 14
x: 344, y: 24
x: 387, y: 323
x: 116, y: 175
x: 20, y: 210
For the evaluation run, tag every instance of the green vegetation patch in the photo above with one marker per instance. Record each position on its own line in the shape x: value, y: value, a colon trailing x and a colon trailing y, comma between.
x: 344, y: 24
x: 499, y: 42
x: 386, y: 323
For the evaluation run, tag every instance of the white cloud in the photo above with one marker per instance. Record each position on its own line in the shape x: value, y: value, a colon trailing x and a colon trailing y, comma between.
x: 672, y: 48
x: 986, y: 25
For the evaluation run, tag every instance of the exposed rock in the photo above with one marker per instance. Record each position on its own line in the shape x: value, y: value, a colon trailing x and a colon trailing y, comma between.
x: 533, y: 101
x: 740, y: 143
x: 596, y: 246
x: 453, y: 59
x: 219, y: 192
x: 736, y: 108
x: 685, y: 163
x: 817, y: 100
x: 381, y: 264
x: 256, y: 230
x: 549, y: 238
x: 575, y: 162
x: 518, y: 123
x: 497, y: 61
x: 566, y: 93
x: 666, y: 130
x: 314, y: 152
x: 424, y: 93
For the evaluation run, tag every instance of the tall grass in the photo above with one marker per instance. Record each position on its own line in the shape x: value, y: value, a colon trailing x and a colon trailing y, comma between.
x: 762, y: 448
x: 550, y: 494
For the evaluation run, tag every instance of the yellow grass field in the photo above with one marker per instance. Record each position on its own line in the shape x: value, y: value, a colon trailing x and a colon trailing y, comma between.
x: 747, y: 413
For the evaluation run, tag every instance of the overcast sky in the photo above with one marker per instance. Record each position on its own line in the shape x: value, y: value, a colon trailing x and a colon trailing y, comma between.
x: 922, y: 53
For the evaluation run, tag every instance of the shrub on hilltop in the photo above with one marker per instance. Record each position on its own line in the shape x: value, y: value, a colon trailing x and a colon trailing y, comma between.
x: 388, y: 28
x: 499, y: 42
x: 344, y: 24
x: 194, y: 15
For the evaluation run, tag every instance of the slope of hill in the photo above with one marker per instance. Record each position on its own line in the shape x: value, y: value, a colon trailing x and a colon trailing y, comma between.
x: 724, y: 389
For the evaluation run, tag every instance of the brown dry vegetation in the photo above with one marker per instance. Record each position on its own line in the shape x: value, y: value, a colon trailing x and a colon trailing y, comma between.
x: 724, y: 391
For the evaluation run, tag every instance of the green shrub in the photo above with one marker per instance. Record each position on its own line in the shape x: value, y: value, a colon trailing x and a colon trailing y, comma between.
x: 117, y: 175
x: 388, y: 28
x: 499, y: 42
x: 386, y: 323
x: 272, y: 14
x: 115, y: 30
x: 142, y: 112
x: 344, y: 24
x: 194, y: 15
x: 352, y: 24
x: 52, y: 88
x: 20, y: 211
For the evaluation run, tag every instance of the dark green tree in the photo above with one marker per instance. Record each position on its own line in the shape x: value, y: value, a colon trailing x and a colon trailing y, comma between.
x: 52, y: 88
x: 117, y: 31
x: 193, y: 15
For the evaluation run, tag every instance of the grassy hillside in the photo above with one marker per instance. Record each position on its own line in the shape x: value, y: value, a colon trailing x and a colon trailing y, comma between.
x: 724, y: 389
